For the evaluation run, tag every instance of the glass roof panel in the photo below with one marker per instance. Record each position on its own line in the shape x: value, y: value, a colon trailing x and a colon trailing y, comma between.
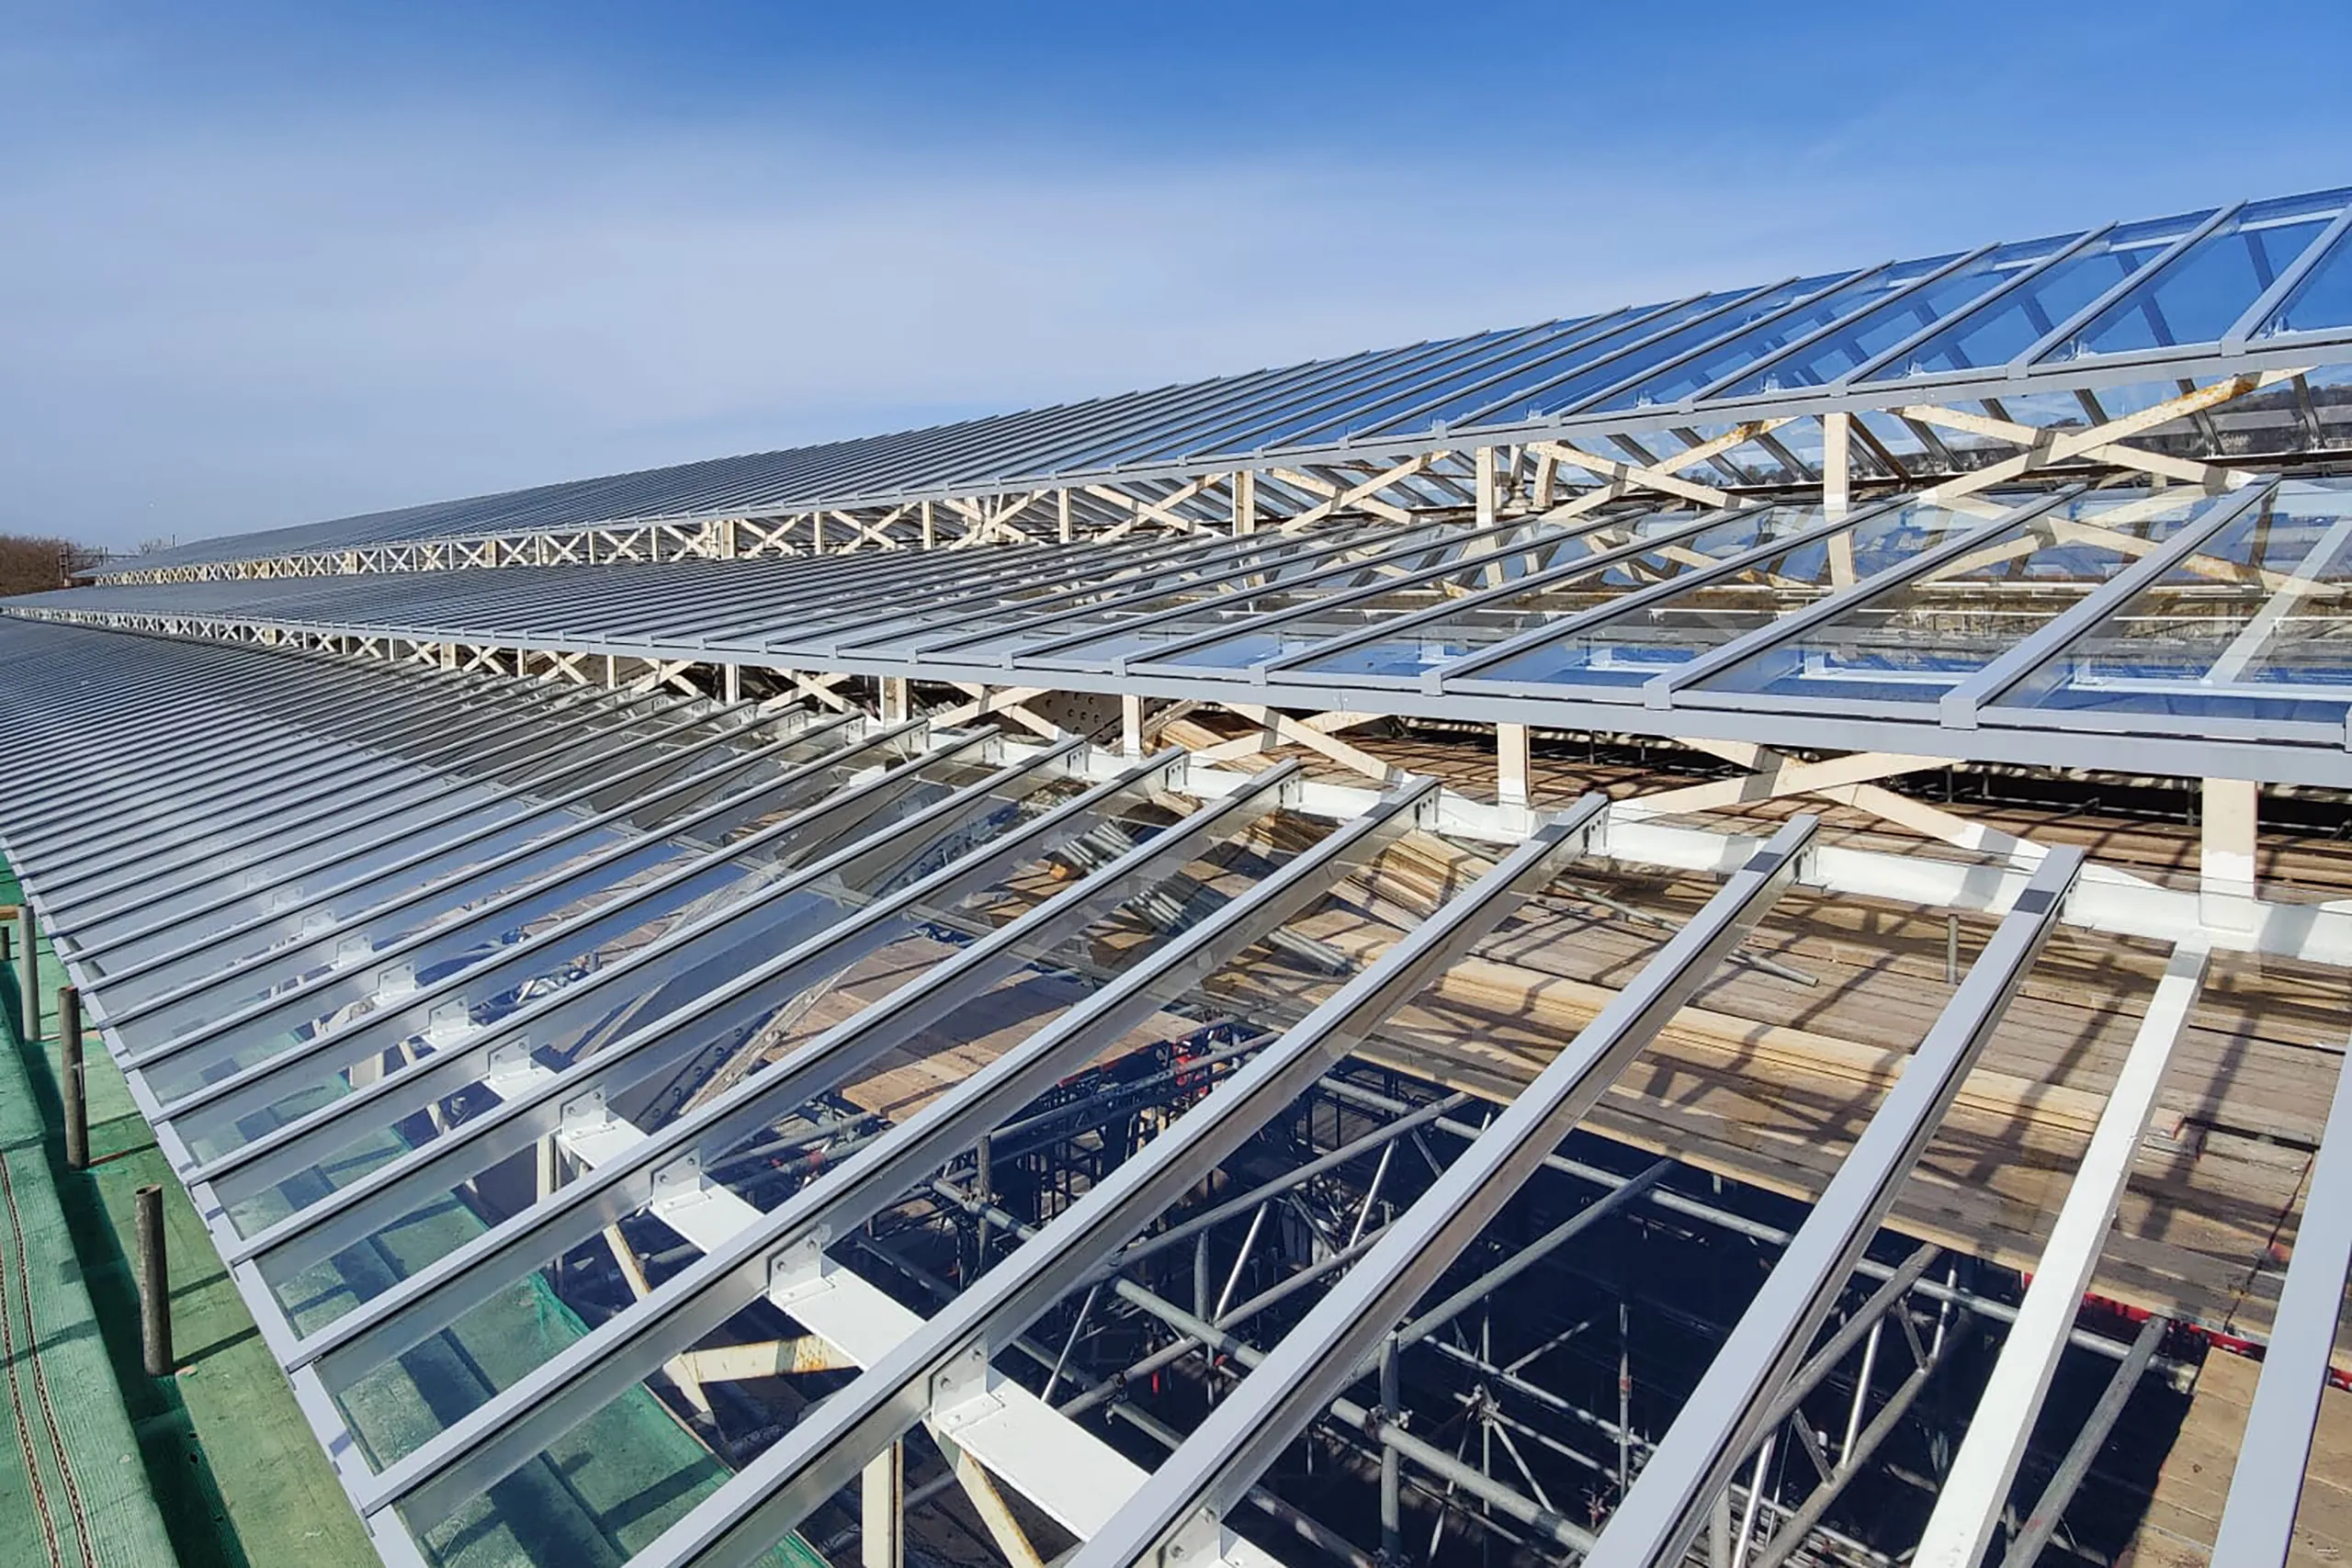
x: 1850, y: 302
x: 1913, y: 642
x: 2252, y: 625
x: 2202, y: 292
x: 2323, y: 299
x: 2008, y: 326
x: 761, y: 1167
x: 1566, y: 391
x: 1346, y: 561
x: 1338, y: 416
x: 1644, y: 639
x: 1412, y: 580
x: 1541, y: 363
x: 1427, y: 645
x: 1890, y: 322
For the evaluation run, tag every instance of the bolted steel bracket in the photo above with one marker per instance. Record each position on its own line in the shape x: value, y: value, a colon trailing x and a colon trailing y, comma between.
x: 449, y: 1021
x: 584, y: 1111
x: 799, y: 1271
x: 1199, y: 1540
x: 958, y: 1391
x: 680, y: 1177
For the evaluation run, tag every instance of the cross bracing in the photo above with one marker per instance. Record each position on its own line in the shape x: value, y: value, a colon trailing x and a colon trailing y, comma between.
x: 2210, y: 338
x: 2132, y: 626
x: 436, y: 982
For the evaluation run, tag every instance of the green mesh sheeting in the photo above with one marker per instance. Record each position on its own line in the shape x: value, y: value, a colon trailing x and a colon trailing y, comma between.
x: 72, y: 1488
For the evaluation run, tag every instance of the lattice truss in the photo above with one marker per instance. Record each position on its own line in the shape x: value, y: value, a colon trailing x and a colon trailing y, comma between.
x: 2194, y: 629
x: 2181, y: 347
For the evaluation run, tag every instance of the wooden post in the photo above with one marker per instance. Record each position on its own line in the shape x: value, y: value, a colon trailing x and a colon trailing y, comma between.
x: 1837, y: 463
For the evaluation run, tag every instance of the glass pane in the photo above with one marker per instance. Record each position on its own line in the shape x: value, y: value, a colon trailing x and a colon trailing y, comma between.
x: 1626, y: 650
x: 559, y: 963
x: 1537, y: 365
x: 1882, y: 326
x: 1412, y: 581
x: 1704, y: 369
x: 2252, y: 625
x: 2019, y: 320
x: 1414, y: 650
x: 1568, y: 390
x: 2203, y: 292
x: 1913, y: 642
x: 1271, y: 405
x: 1370, y: 397
x: 2324, y: 299
x: 1131, y: 587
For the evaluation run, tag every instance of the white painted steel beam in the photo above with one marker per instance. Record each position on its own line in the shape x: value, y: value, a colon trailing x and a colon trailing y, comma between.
x: 941, y: 1374
x: 1969, y: 1504
x: 2265, y: 1489
x: 1663, y: 1512
x: 1185, y: 1509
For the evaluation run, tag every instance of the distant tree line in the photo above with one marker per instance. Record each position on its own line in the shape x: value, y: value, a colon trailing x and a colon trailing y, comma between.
x: 34, y: 566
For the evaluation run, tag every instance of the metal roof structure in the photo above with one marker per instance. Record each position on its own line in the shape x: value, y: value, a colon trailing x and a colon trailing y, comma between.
x: 487, y: 897
x: 2102, y: 322
x: 2165, y: 629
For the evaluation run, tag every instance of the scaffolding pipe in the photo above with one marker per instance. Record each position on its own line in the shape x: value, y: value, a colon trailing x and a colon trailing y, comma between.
x: 1346, y: 1412
x: 154, y: 1283
x: 27, y: 975
x: 1754, y: 1230
x: 70, y: 1086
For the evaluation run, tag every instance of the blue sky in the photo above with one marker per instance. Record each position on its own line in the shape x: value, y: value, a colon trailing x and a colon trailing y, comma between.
x: 262, y: 264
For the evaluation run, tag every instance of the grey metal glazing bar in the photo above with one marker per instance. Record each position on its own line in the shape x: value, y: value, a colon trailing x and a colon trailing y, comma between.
x: 370, y: 844
x: 525, y: 1419
x: 1959, y: 707
x: 1201, y: 1483
x: 430, y: 1299
x: 386, y: 971
x: 2154, y: 268
x: 1731, y: 565
x: 1661, y: 691
x: 1663, y: 1511
x: 1561, y: 572
x: 677, y: 765
x: 744, y: 995
x: 704, y: 937
x: 1982, y: 305
x: 2267, y: 1488
x: 771, y: 1496
x: 2235, y: 340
